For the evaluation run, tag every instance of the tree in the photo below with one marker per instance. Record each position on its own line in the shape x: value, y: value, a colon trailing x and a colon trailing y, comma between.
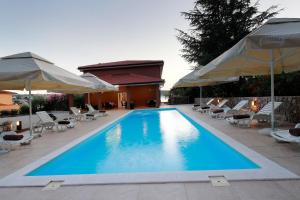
x: 216, y: 25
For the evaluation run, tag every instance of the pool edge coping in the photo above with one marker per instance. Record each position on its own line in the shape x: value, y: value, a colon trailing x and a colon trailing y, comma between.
x: 269, y: 170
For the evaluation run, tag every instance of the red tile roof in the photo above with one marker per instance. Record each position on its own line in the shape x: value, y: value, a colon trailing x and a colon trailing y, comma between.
x: 124, y: 63
x: 127, y: 75
x: 130, y: 78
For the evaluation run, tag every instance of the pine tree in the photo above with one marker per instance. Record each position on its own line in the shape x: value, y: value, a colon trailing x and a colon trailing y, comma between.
x: 216, y: 25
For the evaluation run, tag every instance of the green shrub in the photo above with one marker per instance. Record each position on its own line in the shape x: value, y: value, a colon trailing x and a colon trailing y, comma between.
x: 56, y: 102
x: 5, y: 112
x: 14, y: 112
x: 24, y: 110
x: 38, y: 103
x: 79, y: 101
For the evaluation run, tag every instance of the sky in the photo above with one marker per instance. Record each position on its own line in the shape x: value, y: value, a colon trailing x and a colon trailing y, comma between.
x: 73, y: 33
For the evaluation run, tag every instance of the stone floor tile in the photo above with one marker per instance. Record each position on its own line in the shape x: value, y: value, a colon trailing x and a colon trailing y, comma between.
x: 205, y: 191
x: 168, y: 191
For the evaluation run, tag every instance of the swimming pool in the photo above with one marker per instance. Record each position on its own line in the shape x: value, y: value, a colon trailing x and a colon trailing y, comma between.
x: 163, y: 140
x: 149, y: 146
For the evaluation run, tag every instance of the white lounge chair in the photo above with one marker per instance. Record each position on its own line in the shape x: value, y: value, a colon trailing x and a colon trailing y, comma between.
x: 220, y: 105
x: 285, y: 136
x: 81, y: 116
x: 205, y: 109
x: 8, y: 145
x: 264, y: 115
x: 227, y: 112
x: 49, y: 124
x: 197, y: 106
x: 70, y: 119
x: 97, y: 113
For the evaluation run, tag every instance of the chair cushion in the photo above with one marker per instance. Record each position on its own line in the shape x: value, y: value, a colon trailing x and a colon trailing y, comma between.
x: 196, y: 105
x: 13, y: 137
x: 205, y: 107
x: 242, y: 116
x: 90, y: 115
x: 217, y: 111
x: 295, y: 131
x: 102, y: 111
x: 63, y: 122
x: 52, y: 116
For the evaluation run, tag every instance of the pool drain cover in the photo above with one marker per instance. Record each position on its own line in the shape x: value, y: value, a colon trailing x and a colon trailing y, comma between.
x: 218, y: 181
x: 53, y: 185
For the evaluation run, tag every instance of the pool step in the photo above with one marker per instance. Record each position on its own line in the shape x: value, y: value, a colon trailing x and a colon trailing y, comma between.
x: 53, y: 185
x: 219, y: 181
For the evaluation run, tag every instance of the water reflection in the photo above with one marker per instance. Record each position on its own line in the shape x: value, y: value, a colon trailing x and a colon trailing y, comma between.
x: 113, y: 137
x: 145, y: 128
x: 176, y: 132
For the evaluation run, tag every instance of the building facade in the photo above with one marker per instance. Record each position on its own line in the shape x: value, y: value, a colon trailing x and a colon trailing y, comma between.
x: 6, y: 101
x: 139, y: 83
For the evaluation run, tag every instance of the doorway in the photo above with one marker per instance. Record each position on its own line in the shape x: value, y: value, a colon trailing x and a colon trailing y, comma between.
x: 122, y: 99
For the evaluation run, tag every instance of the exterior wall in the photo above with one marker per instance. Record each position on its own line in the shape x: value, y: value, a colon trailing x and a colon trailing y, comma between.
x: 70, y: 100
x: 289, y: 111
x: 6, y: 102
x: 141, y: 94
x: 138, y: 94
x: 6, y: 99
x: 97, y: 99
x: 9, y: 107
x: 158, y: 95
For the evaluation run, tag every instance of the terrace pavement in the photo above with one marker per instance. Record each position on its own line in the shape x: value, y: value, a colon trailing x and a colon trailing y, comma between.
x: 287, y: 155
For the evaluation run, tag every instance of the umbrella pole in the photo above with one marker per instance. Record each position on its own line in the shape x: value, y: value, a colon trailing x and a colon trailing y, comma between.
x: 89, y: 100
x: 272, y: 88
x: 200, y: 99
x: 30, y: 109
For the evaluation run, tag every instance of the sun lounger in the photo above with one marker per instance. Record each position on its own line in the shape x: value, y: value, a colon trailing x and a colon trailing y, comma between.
x: 97, y: 113
x: 77, y: 115
x: 207, y: 107
x: 287, y: 135
x: 264, y: 115
x: 198, y: 106
x: 81, y: 116
x: 217, y: 108
x: 9, y: 139
x: 227, y: 112
x: 49, y: 124
x: 217, y: 112
x: 71, y: 121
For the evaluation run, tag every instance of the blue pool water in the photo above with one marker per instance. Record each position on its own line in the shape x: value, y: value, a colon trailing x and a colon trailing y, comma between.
x: 158, y: 140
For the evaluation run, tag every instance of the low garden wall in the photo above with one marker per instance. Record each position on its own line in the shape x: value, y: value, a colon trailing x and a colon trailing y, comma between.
x: 180, y: 100
x: 25, y: 118
x: 289, y: 110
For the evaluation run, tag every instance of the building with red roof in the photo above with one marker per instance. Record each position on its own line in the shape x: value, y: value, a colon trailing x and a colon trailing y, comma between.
x: 139, y: 82
x: 6, y: 101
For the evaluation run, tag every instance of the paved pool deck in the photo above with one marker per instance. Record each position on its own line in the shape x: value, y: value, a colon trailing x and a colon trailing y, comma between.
x: 286, y: 155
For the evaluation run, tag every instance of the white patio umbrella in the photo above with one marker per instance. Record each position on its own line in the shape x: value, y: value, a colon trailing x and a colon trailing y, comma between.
x: 271, y: 49
x: 99, y: 85
x: 192, y: 80
x: 32, y: 72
